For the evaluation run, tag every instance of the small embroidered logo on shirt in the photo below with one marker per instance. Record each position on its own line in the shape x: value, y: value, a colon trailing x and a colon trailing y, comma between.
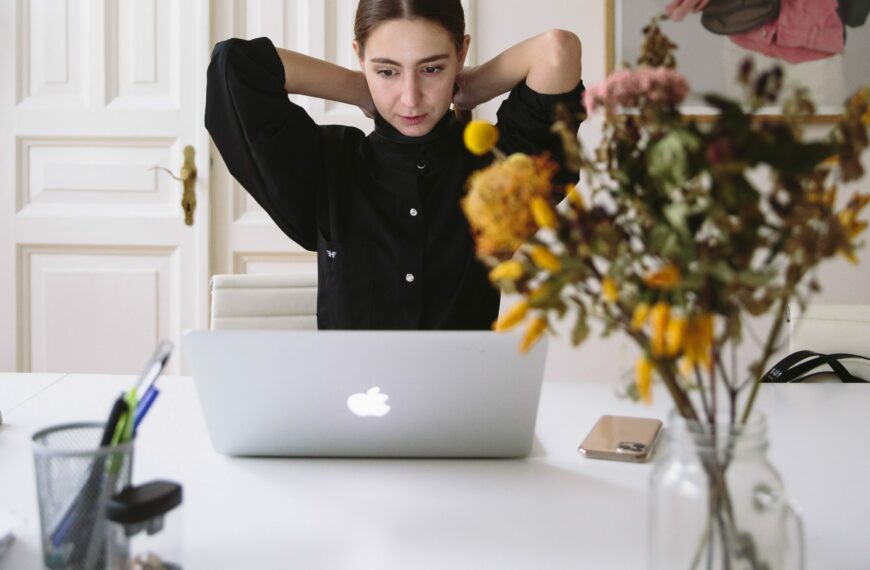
x: 330, y: 253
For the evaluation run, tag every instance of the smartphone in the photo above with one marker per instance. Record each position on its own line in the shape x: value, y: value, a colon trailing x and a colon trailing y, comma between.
x: 622, y: 438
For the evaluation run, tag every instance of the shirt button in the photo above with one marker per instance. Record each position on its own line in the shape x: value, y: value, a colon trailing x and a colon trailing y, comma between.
x: 413, y: 211
x: 409, y: 277
x: 421, y: 166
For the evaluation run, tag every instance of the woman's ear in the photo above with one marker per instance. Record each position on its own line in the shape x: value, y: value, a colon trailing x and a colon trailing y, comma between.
x: 358, y: 51
x: 466, y: 41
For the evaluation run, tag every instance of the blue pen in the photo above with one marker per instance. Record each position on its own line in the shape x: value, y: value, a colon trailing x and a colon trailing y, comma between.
x: 144, y: 405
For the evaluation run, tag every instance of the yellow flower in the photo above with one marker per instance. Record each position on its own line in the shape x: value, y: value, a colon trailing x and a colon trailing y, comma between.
x: 699, y: 340
x: 512, y: 317
x: 575, y: 198
x: 659, y: 315
x: 497, y: 203
x: 539, y: 294
x: 544, y: 215
x: 609, y: 290
x: 639, y: 316
x: 545, y: 259
x: 675, y: 335
x: 520, y: 159
x: 852, y: 226
x: 667, y: 277
x: 480, y: 136
x: 534, y: 331
x: 643, y: 370
x: 510, y: 269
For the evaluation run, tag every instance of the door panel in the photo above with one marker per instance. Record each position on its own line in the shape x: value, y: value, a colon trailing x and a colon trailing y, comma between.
x: 96, y: 262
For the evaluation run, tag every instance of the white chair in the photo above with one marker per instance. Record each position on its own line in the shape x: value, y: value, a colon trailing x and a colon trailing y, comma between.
x: 832, y: 328
x: 287, y: 301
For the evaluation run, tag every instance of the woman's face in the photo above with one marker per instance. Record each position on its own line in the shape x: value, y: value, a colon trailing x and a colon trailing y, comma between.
x: 410, y: 67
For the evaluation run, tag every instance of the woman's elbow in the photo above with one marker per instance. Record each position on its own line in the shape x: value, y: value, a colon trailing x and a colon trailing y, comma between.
x: 563, y: 49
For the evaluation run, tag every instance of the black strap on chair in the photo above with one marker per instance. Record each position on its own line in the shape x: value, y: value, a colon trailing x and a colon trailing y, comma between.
x: 793, y: 369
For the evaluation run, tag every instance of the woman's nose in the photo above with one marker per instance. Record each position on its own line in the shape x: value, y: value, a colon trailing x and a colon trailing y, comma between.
x: 411, y: 92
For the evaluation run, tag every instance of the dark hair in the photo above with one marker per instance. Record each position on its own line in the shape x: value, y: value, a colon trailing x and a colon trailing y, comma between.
x: 446, y: 13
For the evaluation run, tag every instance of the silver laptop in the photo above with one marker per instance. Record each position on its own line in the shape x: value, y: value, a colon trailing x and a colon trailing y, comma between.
x: 366, y: 393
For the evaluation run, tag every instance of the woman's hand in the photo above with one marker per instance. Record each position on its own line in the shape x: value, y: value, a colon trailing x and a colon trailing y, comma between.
x: 364, y: 97
x: 679, y: 9
x: 465, y: 96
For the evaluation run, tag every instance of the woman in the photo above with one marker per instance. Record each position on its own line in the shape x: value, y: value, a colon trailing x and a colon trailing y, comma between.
x: 382, y: 211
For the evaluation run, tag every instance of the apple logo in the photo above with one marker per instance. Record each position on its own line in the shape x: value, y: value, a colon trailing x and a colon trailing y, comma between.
x: 372, y: 403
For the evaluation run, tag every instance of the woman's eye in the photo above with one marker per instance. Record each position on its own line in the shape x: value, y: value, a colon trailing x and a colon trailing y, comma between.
x: 432, y: 69
x: 386, y: 72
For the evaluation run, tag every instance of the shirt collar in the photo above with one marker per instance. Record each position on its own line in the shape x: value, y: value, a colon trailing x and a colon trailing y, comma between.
x: 394, y: 151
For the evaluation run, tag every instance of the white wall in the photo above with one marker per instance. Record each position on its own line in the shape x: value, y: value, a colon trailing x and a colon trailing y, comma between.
x: 500, y: 23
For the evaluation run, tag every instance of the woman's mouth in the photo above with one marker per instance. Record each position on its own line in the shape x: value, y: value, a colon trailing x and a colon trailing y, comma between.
x: 415, y: 120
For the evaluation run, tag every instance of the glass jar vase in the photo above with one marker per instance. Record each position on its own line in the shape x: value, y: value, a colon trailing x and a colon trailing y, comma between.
x: 716, y: 502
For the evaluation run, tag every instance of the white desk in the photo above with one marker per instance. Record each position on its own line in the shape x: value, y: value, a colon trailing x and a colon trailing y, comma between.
x: 552, y: 511
x: 15, y: 389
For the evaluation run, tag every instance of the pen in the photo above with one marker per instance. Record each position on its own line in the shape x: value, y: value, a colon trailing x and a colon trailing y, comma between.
x: 62, y: 528
x: 143, y: 406
x: 154, y: 368
x: 78, y: 519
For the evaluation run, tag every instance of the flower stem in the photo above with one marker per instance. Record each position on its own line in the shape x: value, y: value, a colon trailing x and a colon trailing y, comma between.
x: 768, y: 350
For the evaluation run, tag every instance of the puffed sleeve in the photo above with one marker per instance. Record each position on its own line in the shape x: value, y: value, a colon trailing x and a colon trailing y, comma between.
x: 269, y: 144
x: 525, y: 119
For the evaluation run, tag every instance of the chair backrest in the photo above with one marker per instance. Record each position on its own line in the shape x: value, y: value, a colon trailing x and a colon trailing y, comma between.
x: 287, y: 301
x: 831, y: 329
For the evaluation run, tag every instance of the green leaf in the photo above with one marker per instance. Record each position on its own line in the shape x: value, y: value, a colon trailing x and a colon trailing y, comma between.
x: 669, y: 158
x: 756, y: 278
x: 581, y: 330
x: 722, y: 272
x: 677, y: 214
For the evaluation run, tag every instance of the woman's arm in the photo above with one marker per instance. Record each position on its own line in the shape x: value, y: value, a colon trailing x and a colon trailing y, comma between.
x: 305, y: 75
x: 549, y: 63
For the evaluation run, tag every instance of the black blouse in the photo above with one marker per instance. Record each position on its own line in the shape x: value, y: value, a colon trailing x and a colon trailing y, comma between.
x: 394, y: 250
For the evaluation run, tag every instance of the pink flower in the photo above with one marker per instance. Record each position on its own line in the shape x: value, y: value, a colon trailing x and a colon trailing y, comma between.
x: 631, y: 87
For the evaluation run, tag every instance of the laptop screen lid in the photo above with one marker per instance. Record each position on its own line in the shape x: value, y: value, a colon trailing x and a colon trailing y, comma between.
x: 366, y: 393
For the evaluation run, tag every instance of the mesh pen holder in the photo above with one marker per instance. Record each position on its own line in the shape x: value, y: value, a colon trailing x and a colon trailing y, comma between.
x: 74, y: 480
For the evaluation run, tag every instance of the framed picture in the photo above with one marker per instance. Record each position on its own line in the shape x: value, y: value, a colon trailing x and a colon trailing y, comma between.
x: 710, y: 62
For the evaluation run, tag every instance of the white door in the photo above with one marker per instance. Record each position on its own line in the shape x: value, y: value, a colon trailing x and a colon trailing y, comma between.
x: 96, y: 262
x: 245, y: 240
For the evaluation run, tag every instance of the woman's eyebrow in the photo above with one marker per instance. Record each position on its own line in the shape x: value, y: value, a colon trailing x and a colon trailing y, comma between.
x: 424, y: 60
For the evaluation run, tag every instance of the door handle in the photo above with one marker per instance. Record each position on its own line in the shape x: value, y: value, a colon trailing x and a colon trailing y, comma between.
x: 187, y: 177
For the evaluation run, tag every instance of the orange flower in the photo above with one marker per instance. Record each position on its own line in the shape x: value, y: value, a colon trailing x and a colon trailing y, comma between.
x: 497, y: 203
x: 666, y: 278
x: 533, y: 333
x: 643, y: 370
x: 544, y: 215
x: 609, y: 290
x: 512, y: 317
